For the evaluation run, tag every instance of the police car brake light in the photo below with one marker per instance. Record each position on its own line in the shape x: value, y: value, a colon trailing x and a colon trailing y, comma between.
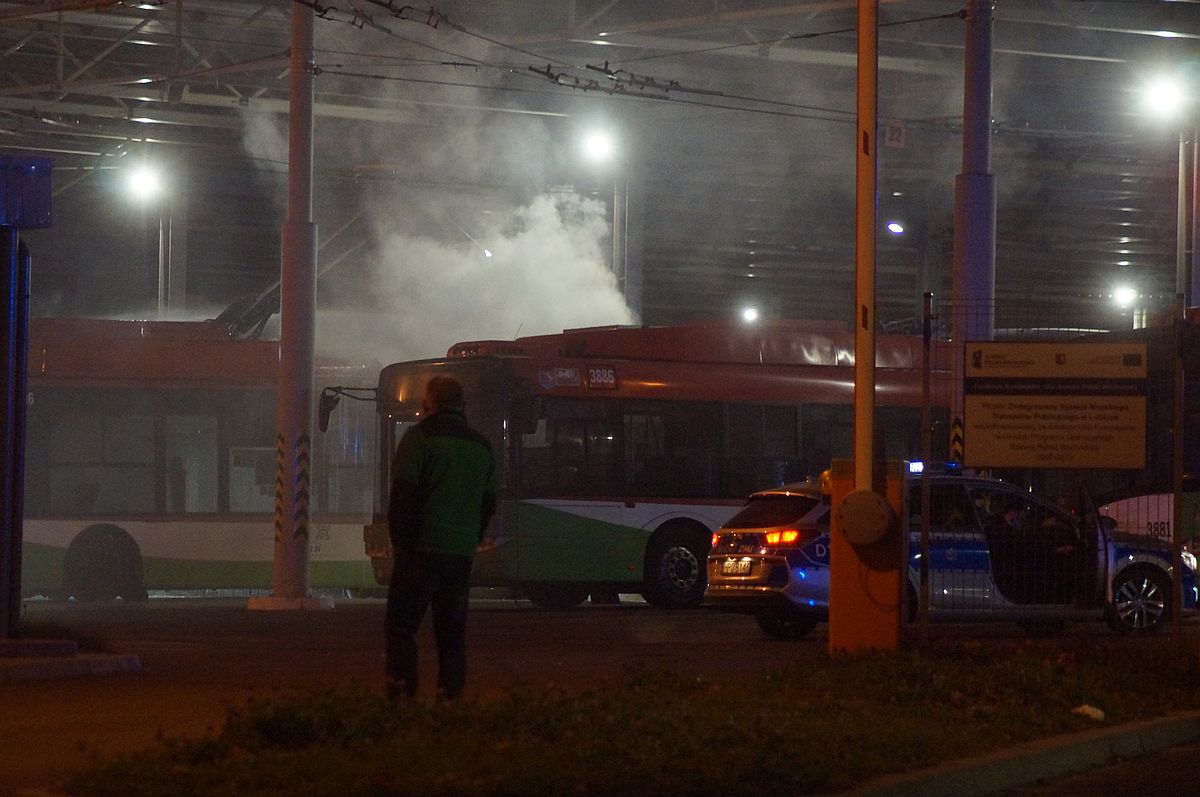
x: 787, y: 537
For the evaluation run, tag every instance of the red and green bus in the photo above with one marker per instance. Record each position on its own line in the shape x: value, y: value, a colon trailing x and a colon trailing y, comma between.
x: 621, y: 449
x: 150, y: 463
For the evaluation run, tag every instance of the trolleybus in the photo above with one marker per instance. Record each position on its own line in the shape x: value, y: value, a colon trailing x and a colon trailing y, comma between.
x: 151, y: 462
x: 622, y: 449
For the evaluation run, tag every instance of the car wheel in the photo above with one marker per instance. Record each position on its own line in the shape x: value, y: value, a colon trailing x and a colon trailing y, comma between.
x: 556, y: 596
x: 1141, y: 601
x: 786, y: 626
x: 675, y: 557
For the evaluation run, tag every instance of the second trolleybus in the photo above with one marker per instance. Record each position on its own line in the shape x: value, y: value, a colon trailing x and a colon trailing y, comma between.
x: 622, y: 449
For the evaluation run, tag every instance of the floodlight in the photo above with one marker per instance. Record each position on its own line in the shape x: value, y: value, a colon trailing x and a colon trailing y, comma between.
x: 1124, y: 296
x: 144, y: 182
x: 1164, y: 97
x: 599, y: 146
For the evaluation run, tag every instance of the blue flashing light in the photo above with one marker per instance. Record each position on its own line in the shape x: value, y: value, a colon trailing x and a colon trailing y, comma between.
x: 800, y: 573
x: 812, y: 602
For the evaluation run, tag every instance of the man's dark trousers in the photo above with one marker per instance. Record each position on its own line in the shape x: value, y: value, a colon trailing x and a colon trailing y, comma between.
x: 421, y: 580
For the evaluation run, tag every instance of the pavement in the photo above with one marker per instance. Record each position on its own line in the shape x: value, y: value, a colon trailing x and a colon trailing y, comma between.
x: 52, y: 659
x: 1045, y: 760
x: 66, y: 709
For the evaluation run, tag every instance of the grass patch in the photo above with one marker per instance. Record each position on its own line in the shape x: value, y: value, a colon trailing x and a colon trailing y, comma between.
x: 816, y: 728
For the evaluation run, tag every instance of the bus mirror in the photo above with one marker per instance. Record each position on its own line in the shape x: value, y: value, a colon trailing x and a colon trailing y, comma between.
x: 329, y: 400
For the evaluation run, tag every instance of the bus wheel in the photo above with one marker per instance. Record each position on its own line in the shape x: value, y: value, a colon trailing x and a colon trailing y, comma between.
x: 1141, y: 601
x: 675, y: 559
x: 103, y: 562
x: 556, y: 596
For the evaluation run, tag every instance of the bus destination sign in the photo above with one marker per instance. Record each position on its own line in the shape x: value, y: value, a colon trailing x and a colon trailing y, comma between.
x: 1054, y: 405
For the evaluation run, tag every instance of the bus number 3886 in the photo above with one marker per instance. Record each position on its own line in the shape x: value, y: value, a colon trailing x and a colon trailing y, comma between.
x: 602, y: 377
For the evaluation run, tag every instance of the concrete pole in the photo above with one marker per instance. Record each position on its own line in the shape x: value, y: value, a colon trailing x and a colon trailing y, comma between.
x: 1195, y: 217
x: 163, y: 246
x: 1182, y: 275
x: 864, y: 259
x: 177, y: 233
x: 619, y: 214
x: 975, y: 188
x: 297, y: 297
x: 633, y: 234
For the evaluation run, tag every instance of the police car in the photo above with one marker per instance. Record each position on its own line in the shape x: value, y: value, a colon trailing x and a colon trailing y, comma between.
x: 996, y: 552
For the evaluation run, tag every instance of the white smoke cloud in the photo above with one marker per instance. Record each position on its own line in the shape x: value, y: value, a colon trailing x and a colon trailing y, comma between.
x: 548, y: 270
x: 264, y: 136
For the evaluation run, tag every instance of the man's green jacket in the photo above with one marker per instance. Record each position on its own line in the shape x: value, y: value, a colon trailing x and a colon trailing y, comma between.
x: 443, y: 487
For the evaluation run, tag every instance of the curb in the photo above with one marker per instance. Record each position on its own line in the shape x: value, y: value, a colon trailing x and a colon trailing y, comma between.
x: 1045, y: 759
x: 36, y: 668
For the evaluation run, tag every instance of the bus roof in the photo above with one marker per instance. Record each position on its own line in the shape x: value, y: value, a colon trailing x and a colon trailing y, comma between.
x: 781, y: 342
x: 83, y: 351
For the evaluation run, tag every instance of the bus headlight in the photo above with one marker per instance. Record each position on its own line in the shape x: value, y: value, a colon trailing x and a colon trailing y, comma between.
x: 1189, y: 560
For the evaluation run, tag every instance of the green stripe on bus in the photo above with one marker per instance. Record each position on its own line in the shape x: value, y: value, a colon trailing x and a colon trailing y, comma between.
x: 41, y: 573
x: 558, y: 545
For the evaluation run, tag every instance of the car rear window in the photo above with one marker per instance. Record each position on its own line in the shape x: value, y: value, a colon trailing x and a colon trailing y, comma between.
x: 772, y: 510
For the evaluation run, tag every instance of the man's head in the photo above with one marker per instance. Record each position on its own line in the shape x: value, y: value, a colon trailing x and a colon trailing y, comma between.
x: 442, y: 393
x: 1014, y: 514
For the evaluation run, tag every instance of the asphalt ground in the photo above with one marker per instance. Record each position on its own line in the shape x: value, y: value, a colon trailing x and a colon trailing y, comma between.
x: 201, y: 658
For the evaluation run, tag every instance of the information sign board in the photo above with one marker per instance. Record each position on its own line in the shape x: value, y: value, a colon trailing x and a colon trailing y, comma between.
x: 1054, y: 405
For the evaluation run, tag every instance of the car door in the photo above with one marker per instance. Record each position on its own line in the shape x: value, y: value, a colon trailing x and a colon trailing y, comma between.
x: 1095, y: 584
x: 1036, y: 552
x: 958, y: 560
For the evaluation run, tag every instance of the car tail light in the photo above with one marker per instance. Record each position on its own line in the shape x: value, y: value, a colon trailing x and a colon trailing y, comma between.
x: 786, y: 537
x: 716, y: 539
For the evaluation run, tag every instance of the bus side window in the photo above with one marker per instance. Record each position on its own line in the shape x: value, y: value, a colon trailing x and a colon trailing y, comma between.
x: 672, y: 449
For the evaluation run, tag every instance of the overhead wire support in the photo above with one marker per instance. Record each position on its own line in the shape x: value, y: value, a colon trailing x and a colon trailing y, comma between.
x: 960, y: 14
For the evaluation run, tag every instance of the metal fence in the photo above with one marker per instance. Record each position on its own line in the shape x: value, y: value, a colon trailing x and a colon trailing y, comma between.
x: 1031, y: 545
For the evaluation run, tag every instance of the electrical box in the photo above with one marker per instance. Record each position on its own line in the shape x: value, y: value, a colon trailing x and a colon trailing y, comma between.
x: 867, y: 559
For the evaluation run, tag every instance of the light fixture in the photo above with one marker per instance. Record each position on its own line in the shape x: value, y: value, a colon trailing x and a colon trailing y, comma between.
x: 599, y: 146
x: 750, y: 314
x: 1124, y: 296
x: 144, y: 182
x: 1164, y: 97
x: 895, y: 228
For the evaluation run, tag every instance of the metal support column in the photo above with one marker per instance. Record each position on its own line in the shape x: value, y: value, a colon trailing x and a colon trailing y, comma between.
x: 975, y: 188
x: 298, y: 280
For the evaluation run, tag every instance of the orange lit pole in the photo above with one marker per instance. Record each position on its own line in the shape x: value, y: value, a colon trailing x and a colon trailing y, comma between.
x: 297, y: 303
x: 864, y: 257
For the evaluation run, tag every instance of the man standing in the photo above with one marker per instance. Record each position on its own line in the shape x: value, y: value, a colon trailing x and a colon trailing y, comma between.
x: 443, y: 494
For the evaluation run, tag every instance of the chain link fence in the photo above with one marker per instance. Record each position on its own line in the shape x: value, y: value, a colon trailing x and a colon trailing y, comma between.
x: 1030, y: 545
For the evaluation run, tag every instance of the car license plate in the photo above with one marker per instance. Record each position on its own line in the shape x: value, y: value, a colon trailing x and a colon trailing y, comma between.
x: 735, y: 567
